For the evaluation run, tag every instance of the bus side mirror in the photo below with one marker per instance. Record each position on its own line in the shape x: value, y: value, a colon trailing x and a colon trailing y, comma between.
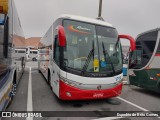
x: 131, y: 39
x: 61, y: 36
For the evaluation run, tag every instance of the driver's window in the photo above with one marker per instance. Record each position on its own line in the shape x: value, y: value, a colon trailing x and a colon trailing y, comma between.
x: 136, y: 58
x: 56, y: 51
x: 139, y: 56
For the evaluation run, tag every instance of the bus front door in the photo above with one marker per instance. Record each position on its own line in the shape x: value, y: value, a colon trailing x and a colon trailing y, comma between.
x: 135, y: 61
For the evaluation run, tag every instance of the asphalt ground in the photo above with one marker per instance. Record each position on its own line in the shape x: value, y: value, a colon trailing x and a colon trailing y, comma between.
x: 40, y: 98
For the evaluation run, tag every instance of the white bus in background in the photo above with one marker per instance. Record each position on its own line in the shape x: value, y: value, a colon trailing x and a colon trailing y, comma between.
x: 81, y: 58
x: 31, y: 54
x: 20, y: 52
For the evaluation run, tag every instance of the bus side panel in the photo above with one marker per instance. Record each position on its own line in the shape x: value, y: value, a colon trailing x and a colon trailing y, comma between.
x: 6, y: 89
x: 43, y: 62
x: 146, y: 79
x: 156, y: 62
x: 9, y: 66
x: 17, y: 33
x: 44, y: 53
x: 137, y: 77
x: 152, y: 81
x: 55, y: 78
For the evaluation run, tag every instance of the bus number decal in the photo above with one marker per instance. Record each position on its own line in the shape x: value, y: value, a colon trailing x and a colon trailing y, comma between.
x: 97, y: 95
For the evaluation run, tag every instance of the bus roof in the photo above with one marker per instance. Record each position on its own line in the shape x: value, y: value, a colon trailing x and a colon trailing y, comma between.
x: 85, y: 19
x: 156, y: 29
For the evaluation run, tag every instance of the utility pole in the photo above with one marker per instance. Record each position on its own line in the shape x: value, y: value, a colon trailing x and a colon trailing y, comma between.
x: 100, y: 11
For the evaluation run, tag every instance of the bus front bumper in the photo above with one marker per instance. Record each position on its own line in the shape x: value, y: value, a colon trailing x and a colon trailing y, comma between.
x: 68, y: 92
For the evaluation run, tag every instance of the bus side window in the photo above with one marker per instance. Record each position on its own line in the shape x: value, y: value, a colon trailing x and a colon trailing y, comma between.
x: 139, y: 56
x: 6, y: 34
x: 56, y: 50
x: 136, y: 58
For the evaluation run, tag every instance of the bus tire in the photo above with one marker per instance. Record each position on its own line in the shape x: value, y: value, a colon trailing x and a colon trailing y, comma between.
x: 34, y: 59
x: 14, y: 85
x: 49, y: 79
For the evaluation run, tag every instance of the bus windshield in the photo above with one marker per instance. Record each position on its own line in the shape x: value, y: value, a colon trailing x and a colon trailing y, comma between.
x: 92, y: 48
x: 145, y: 45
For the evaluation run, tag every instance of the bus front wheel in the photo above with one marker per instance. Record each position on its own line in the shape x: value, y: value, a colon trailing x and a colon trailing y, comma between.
x: 49, y: 79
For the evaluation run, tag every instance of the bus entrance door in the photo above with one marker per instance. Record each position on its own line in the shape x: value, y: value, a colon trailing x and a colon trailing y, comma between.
x: 135, y: 63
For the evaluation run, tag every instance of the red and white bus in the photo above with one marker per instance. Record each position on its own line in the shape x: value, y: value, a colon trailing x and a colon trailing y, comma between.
x: 81, y: 58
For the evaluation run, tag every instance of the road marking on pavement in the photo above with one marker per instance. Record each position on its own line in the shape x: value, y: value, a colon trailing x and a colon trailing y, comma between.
x: 114, y: 118
x: 139, y: 107
x: 29, y: 99
x: 109, y: 118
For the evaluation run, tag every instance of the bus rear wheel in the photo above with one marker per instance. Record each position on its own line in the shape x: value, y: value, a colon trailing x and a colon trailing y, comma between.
x: 49, y: 80
x: 34, y: 59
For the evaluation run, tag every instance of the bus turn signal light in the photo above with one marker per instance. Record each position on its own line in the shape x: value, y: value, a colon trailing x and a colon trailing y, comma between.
x: 158, y: 75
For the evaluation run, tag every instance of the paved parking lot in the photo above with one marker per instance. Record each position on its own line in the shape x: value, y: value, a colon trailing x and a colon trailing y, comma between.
x: 40, y: 98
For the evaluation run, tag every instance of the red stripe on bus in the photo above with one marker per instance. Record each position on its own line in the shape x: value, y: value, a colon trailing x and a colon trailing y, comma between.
x: 157, y: 54
x: 80, y: 94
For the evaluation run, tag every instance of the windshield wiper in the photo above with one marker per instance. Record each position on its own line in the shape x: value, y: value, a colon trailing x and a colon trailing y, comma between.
x: 106, y: 52
x: 116, y: 45
x: 117, y: 42
x: 91, y: 53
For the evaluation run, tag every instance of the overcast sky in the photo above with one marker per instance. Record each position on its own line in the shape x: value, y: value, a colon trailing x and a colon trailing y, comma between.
x: 128, y: 16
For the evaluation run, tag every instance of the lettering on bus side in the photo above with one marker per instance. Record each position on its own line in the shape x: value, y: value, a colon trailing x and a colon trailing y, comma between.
x: 118, y: 78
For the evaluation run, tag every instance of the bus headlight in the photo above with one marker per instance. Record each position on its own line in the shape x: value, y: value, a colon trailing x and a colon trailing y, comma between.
x: 158, y: 75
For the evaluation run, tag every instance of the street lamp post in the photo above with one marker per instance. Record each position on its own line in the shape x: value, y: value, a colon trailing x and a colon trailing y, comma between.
x: 100, y: 11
